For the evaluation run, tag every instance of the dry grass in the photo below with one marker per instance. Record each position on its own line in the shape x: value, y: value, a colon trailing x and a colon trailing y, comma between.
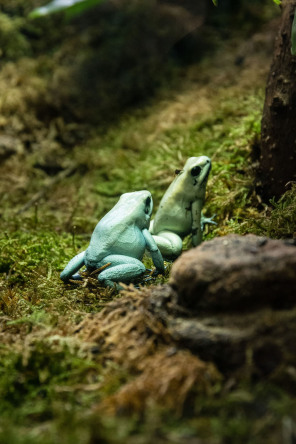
x: 127, y: 330
x: 168, y: 378
x: 131, y: 332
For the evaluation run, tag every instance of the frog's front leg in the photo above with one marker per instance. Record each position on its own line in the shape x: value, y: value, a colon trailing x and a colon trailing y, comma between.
x: 72, y: 267
x: 207, y: 220
x: 153, y: 250
x: 122, y: 269
x: 196, y: 228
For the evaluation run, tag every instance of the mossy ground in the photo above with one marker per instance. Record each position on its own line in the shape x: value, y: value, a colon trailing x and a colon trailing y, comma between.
x: 53, y: 384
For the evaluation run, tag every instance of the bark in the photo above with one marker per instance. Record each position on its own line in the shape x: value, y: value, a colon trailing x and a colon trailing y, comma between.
x: 278, y: 136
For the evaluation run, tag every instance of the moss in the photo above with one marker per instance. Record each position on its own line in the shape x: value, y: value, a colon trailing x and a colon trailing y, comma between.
x: 12, y: 42
x: 23, y: 252
x: 279, y: 219
x: 37, y: 371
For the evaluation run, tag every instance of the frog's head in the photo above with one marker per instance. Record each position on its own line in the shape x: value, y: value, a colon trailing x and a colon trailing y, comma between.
x: 138, y: 207
x: 196, y: 172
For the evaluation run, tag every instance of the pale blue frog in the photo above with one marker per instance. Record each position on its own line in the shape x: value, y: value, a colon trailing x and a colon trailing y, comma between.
x: 120, y: 238
x: 179, y: 213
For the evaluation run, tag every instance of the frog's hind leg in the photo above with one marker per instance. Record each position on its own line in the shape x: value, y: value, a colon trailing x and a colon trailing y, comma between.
x: 169, y: 244
x: 70, y: 270
x: 122, y: 269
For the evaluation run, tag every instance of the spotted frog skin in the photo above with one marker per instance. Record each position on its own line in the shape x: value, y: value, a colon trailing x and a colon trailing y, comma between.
x: 120, y: 238
x: 179, y: 213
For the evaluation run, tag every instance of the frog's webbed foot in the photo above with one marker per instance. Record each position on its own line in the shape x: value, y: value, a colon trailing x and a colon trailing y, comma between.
x: 156, y: 272
x: 151, y: 275
x: 122, y: 269
x: 169, y: 244
x: 207, y: 220
x: 76, y: 277
x: 70, y: 270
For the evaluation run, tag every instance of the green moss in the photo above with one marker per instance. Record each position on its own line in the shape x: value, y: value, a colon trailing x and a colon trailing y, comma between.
x: 13, y: 44
x: 249, y: 417
x: 23, y: 252
x: 279, y: 219
x: 33, y: 375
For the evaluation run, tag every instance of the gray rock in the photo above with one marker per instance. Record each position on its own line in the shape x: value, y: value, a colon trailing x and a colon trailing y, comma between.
x: 235, y: 273
x: 260, y: 343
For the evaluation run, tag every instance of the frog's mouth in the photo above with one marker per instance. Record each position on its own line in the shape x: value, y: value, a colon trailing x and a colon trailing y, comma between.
x: 205, y: 178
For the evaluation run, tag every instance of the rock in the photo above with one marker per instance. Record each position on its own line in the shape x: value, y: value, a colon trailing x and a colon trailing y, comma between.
x: 260, y: 343
x: 225, y: 345
x: 235, y: 273
x: 238, y: 296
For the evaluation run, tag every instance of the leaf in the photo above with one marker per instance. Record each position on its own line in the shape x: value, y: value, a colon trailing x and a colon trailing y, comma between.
x: 277, y: 2
x: 215, y: 2
x: 71, y: 7
x: 81, y: 6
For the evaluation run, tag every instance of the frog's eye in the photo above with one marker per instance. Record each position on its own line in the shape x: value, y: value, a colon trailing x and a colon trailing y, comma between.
x: 147, y: 205
x: 195, y: 171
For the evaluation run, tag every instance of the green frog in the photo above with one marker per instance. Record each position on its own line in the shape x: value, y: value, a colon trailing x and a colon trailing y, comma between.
x: 179, y: 213
x: 120, y: 238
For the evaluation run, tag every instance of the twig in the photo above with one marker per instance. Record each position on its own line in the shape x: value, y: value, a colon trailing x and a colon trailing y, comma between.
x: 62, y: 175
x: 98, y: 270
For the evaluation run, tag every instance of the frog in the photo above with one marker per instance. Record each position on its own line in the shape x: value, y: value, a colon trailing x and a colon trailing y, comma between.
x: 118, y: 243
x: 180, y: 210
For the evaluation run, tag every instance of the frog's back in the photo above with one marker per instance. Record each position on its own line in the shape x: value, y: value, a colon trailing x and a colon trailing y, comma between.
x: 125, y: 238
x: 115, y: 234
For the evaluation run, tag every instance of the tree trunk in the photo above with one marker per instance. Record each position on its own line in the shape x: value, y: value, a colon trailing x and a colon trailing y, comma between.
x: 278, y: 135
